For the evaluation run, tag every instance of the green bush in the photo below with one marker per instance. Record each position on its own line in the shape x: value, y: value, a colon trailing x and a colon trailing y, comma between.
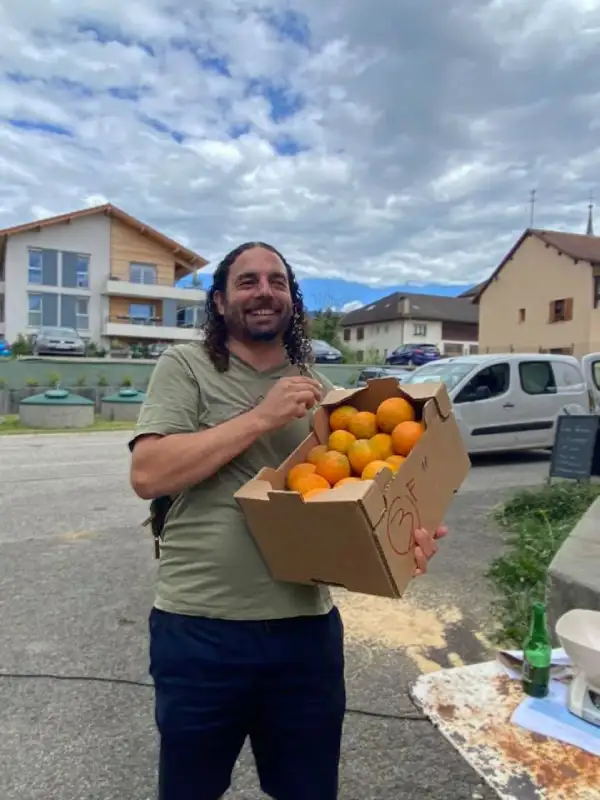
x: 538, y: 522
x: 22, y: 346
x: 53, y: 379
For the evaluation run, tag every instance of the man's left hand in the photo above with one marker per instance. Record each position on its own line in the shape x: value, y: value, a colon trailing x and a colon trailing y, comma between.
x: 426, y: 547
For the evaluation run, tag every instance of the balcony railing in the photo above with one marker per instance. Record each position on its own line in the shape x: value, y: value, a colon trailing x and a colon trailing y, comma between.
x: 156, y: 322
x: 156, y: 281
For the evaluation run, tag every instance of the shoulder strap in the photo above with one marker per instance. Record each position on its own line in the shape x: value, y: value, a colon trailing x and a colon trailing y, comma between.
x: 159, y: 508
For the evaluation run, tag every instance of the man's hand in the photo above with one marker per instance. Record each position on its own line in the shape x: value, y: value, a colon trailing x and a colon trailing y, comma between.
x: 290, y: 398
x: 426, y: 548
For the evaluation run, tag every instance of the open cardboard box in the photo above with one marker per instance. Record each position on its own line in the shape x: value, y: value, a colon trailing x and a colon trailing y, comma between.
x: 361, y: 535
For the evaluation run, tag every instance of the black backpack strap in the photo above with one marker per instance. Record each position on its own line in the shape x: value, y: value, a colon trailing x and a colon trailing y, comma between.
x: 159, y: 508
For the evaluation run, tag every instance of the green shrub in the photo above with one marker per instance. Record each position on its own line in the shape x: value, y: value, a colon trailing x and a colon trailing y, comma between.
x: 538, y: 521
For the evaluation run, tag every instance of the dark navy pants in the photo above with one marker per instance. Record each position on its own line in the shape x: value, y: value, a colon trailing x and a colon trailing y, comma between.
x: 218, y: 682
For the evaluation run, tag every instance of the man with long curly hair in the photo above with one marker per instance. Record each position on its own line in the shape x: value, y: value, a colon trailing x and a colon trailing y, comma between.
x: 233, y: 653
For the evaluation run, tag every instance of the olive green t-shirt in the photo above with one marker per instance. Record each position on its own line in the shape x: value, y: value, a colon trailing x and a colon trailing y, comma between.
x: 209, y: 563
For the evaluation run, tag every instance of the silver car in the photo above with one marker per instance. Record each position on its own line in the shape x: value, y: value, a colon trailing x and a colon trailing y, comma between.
x: 58, y: 341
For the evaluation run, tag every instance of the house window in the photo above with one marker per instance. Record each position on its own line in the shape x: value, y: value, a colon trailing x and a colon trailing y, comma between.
x: 359, y: 355
x: 360, y: 333
x: 35, y: 267
x: 521, y: 315
x: 82, y: 317
x: 561, y: 310
x: 141, y: 313
x: 186, y: 316
x: 83, y: 265
x: 347, y: 334
x: 142, y: 273
x: 596, y: 291
x: 420, y: 329
x: 35, y: 310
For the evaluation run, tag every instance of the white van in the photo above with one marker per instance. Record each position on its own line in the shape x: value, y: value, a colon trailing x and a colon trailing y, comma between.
x: 591, y: 372
x: 512, y: 401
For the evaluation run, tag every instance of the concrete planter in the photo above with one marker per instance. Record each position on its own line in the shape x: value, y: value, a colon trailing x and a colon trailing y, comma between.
x: 56, y: 408
x: 124, y: 406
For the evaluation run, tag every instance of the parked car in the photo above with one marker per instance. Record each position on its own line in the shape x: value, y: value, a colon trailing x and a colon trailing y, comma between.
x: 157, y: 349
x: 324, y: 353
x: 58, y: 342
x: 5, y: 349
x: 415, y: 354
x: 370, y: 373
x: 513, y: 401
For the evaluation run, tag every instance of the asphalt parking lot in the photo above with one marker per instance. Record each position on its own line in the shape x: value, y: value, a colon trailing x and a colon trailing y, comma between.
x: 76, y: 573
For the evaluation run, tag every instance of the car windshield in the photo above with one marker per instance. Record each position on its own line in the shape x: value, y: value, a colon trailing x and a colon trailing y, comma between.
x: 64, y: 332
x: 450, y: 373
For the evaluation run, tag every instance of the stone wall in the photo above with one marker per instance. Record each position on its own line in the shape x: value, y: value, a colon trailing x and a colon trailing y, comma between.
x: 574, y: 575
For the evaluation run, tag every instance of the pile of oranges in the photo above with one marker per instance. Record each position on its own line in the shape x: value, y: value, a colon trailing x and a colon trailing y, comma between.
x: 360, y: 444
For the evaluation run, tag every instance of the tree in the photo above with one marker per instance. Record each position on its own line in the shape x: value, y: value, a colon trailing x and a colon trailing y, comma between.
x: 325, y: 325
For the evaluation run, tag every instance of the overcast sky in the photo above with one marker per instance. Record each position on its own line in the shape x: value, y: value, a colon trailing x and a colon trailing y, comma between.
x: 381, y: 142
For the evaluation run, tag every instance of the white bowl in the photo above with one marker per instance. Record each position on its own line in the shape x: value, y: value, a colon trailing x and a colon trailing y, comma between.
x: 579, y: 634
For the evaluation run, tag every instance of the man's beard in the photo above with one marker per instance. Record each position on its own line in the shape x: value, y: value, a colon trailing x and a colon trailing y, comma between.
x: 244, y: 328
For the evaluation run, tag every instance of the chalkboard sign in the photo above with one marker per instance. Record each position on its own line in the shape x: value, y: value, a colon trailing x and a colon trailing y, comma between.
x: 576, y: 454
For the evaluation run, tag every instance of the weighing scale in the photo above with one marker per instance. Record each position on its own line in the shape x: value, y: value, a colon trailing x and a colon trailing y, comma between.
x: 579, y: 634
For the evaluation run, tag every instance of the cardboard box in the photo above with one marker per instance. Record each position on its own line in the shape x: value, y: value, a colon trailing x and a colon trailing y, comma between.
x: 360, y: 536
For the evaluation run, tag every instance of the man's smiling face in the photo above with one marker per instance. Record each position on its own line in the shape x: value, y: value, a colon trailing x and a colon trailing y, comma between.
x: 257, y: 304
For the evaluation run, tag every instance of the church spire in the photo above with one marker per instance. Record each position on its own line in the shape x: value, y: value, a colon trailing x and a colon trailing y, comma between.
x: 590, y: 223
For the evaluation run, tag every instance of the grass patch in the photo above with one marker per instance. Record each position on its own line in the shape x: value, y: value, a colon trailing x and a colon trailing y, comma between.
x: 9, y: 425
x: 537, y: 521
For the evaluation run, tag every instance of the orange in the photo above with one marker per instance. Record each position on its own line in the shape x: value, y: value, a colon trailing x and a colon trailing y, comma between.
x: 341, y: 440
x: 315, y: 453
x: 395, y: 462
x: 392, y: 412
x: 373, y: 468
x: 297, y: 472
x: 339, y: 419
x: 344, y: 481
x: 310, y: 482
x: 382, y: 444
x: 333, y: 466
x: 314, y: 492
x: 360, y: 454
x: 363, y: 424
x: 405, y: 436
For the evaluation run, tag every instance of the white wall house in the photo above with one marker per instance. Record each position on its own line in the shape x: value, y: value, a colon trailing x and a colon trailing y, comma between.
x: 93, y: 271
x: 56, y: 276
x: 375, y: 330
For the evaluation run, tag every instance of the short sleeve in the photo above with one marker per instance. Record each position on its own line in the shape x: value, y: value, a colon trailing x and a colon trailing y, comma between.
x: 173, y: 401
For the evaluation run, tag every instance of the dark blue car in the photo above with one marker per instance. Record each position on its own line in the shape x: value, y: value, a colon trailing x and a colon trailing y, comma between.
x: 415, y: 354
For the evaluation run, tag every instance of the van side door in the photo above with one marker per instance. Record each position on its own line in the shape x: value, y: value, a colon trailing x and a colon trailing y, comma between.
x: 485, y: 409
x: 541, y: 400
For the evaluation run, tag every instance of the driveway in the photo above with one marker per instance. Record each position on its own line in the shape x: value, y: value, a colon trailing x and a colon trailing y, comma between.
x: 76, y: 573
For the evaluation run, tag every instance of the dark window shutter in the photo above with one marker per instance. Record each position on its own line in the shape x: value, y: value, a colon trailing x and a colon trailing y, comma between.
x: 568, y: 309
x: 50, y: 267
x: 69, y: 270
x: 50, y: 309
x: 68, y: 304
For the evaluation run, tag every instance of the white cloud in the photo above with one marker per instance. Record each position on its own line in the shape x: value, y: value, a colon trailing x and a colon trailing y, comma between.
x: 420, y: 127
x: 353, y: 305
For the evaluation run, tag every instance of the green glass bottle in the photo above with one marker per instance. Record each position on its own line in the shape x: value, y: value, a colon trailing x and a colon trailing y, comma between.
x: 537, y: 655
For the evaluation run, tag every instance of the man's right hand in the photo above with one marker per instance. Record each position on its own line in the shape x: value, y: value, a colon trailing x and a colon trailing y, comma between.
x: 290, y: 398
